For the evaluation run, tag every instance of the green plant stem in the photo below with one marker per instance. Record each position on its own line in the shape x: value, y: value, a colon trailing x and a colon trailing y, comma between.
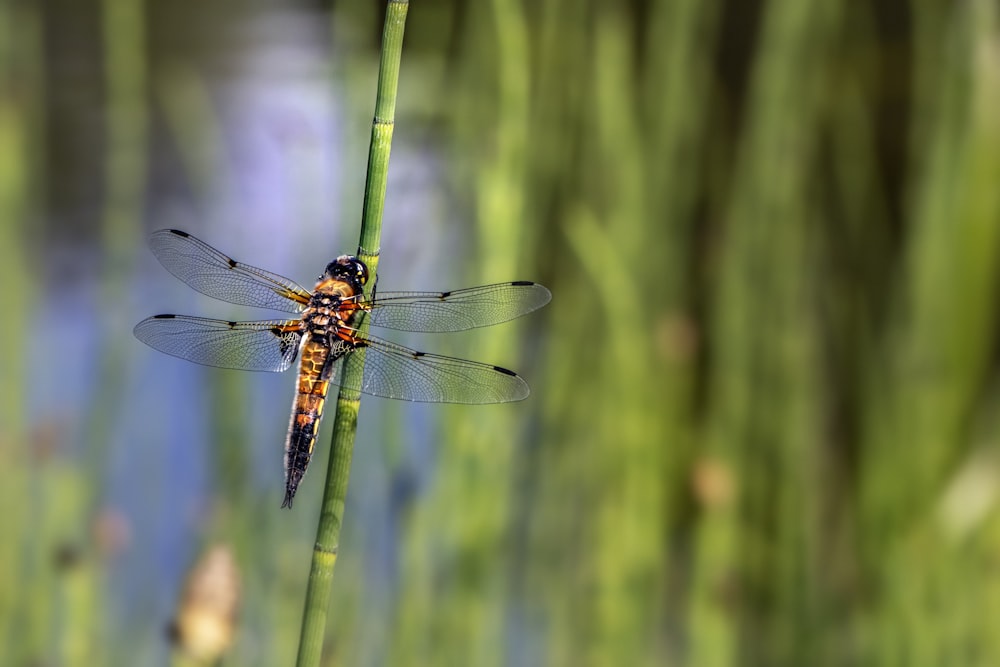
x: 20, y: 607
x: 348, y: 402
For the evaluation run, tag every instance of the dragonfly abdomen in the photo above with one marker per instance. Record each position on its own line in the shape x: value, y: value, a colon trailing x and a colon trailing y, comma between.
x: 307, y: 409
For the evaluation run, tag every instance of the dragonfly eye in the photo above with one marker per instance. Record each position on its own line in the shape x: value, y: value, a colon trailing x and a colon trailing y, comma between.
x: 360, y: 270
x: 348, y: 268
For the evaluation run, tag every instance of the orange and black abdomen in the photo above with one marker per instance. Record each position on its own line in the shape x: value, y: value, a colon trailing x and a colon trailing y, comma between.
x: 330, y: 316
x: 313, y: 385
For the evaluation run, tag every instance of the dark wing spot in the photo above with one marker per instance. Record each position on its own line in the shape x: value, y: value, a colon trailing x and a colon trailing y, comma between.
x: 164, y: 317
x: 179, y: 233
x: 504, y: 371
x: 444, y: 295
x: 232, y: 324
x: 522, y: 283
x: 284, y: 344
x: 417, y: 355
x: 232, y: 263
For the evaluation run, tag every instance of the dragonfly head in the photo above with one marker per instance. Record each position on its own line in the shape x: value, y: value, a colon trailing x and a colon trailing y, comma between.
x: 349, y: 269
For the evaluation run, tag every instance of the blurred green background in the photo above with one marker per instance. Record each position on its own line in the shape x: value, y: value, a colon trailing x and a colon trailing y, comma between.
x: 765, y: 420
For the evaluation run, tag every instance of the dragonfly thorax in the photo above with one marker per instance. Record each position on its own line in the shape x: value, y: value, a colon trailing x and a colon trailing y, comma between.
x: 332, y: 308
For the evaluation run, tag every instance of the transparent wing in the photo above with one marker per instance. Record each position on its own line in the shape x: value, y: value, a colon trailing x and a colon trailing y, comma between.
x: 436, y: 312
x: 210, y: 272
x: 250, y: 346
x: 394, y: 371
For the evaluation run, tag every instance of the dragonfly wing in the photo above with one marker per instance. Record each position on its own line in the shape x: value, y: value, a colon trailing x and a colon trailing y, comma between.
x: 251, y: 346
x: 394, y: 371
x: 211, y: 272
x: 435, y: 312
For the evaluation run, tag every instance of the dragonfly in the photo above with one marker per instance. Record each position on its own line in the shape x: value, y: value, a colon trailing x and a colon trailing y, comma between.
x: 325, y: 331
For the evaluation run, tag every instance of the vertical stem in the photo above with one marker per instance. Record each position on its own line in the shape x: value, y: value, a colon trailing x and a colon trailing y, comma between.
x: 88, y: 637
x: 20, y: 96
x: 127, y: 121
x: 348, y: 402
